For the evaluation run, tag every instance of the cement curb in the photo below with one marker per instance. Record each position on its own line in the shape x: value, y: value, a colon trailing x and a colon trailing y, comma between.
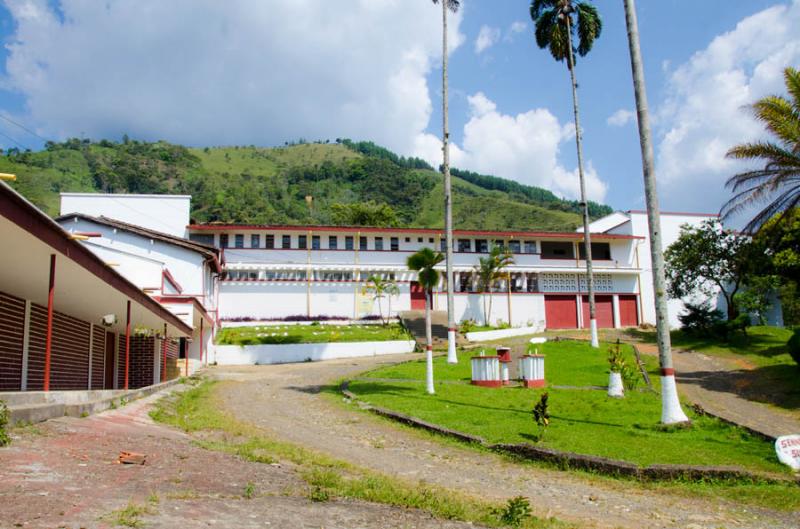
x: 569, y: 460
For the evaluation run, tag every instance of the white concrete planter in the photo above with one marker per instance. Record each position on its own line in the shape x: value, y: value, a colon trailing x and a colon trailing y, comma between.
x: 483, y: 336
x: 615, y: 387
x: 230, y: 355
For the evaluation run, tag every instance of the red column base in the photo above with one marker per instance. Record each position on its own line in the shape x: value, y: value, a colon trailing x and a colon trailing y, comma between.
x: 487, y: 383
x: 534, y: 383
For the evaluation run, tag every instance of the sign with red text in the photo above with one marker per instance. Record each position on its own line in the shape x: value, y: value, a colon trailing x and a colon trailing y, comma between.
x: 788, y: 450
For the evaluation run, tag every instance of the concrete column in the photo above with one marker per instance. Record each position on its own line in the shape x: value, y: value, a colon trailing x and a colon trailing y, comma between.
x: 615, y: 305
x: 580, y: 310
x: 26, y: 338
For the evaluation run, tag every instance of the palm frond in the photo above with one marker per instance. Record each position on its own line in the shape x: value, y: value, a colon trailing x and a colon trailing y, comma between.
x: 771, y: 152
x: 780, y: 117
x: 792, y: 78
x: 551, y: 33
x: 589, y: 27
x: 538, y: 7
x: 452, y: 5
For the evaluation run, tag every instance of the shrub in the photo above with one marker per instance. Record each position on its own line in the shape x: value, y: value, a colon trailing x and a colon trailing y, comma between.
x: 467, y: 326
x: 794, y: 346
x: 516, y: 511
x: 700, y: 318
x: 615, y: 359
x: 4, y: 420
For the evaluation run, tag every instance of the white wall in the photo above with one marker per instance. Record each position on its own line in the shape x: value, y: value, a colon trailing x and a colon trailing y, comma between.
x: 164, y: 213
x: 526, y: 309
x: 280, y: 354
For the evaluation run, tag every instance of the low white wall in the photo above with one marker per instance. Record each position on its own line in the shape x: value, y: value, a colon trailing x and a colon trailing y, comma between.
x: 482, y: 336
x: 302, y: 352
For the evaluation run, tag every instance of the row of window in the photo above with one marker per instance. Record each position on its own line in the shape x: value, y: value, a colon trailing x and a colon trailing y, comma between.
x: 549, y: 249
x: 302, y: 275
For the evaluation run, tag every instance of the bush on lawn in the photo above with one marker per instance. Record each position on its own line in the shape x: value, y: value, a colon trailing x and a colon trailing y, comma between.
x: 4, y: 419
x: 794, y: 346
x: 701, y: 320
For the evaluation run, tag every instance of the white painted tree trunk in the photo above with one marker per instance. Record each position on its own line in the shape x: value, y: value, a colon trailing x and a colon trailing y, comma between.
x: 615, y: 387
x: 448, y: 201
x: 428, y: 346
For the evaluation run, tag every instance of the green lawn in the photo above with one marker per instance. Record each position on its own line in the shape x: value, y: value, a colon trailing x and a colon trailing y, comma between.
x: 315, y: 333
x: 582, y: 421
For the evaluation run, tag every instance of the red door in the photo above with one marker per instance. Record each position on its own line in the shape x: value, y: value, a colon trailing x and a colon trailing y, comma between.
x: 628, y: 315
x: 417, y: 296
x: 561, y: 312
x: 604, y: 306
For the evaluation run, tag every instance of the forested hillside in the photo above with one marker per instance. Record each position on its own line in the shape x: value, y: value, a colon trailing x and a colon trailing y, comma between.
x: 344, y: 182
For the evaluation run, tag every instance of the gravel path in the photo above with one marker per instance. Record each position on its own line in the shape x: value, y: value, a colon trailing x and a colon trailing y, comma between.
x: 284, y: 400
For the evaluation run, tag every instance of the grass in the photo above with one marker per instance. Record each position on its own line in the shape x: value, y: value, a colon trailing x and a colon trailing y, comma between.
x: 128, y: 516
x: 580, y: 418
x: 198, y: 409
x: 314, y: 333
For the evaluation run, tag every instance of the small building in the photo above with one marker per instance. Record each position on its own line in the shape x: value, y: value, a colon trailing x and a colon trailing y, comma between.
x: 69, y: 320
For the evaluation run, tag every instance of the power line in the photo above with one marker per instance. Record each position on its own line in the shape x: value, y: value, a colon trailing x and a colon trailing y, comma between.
x: 12, y: 139
x: 23, y: 127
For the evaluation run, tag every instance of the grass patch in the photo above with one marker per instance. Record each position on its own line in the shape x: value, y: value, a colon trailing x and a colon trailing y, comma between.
x: 314, y: 333
x: 198, y: 410
x: 128, y: 516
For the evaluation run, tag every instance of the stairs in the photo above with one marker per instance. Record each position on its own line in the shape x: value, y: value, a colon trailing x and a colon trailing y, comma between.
x: 414, y: 321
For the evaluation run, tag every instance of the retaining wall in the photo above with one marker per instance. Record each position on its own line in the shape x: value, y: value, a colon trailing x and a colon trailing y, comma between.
x: 304, y: 352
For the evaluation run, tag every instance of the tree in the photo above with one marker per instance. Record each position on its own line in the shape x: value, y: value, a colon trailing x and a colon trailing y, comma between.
x: 779, y: 178
x: 555, y: 29
x: 380, y: 288
x: 368, y: 213
x: 671, y: 411
x: 453, y: 6
x: 424, y: 263
x: 707, y: 259
x: 776, y: 253
x: 489, y: 269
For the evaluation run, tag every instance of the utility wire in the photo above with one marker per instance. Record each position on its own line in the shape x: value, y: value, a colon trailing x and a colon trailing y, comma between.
x: 23, y: 127
x: 12, y: 139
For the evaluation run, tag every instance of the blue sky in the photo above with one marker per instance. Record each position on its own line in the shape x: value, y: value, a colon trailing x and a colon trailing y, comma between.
x: 266, y: 72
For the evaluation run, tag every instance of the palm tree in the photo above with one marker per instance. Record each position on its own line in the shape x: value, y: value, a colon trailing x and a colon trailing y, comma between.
x: 453, y: 6
x: 781, y: 172
x: 380, y: 288
x: 489, y: 269
x: 554, y: 30
x: 671, y: 411
x: 424, y: 263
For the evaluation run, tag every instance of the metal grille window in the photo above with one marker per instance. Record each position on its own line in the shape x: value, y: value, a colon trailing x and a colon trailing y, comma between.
x: 464, y: 245
x: 203, y: 238
x: 239, y: 241
x: 286, y: 242
x: 255, y: 241
x: 362, y: 243
x: 315, y: 242
x: 333, y: 242
x: 533, y: 282
x: 348, y: 243
x: 269, y: 241
x: 482, y: 246
x: 223, y: 240
x: 530, y: 247
x: 379, y: 243
x: 514, y: 247
x: 325, y: 275
x: 302, y: 242
x: 394, y: 243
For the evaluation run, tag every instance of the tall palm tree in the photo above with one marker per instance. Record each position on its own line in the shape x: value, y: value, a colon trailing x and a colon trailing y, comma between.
x: 780, y: 174
x: 381, y: 288
x: 453, y: 6
x: 671, y: 411
x: 424, y: 263
x: 555, y: 29
x: 489, y: 269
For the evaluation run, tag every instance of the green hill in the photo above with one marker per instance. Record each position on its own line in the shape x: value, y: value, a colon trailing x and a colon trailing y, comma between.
x: 321, y: 183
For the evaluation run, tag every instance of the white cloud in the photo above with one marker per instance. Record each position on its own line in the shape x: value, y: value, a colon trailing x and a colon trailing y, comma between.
x: 518, y: 26
x: 524, y: 148
x: 206, y: 72
x: 621, y: 117
x: 704, y: 113
x: 487, y: 37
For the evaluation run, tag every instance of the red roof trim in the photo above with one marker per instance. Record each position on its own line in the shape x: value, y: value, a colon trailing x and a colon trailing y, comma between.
x: 168, y: 298
x: 429, y: 231
x: 168, y: 277
x: 18, y: 210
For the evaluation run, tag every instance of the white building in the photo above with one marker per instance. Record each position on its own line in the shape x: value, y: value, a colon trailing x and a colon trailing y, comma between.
x: 178, y: 273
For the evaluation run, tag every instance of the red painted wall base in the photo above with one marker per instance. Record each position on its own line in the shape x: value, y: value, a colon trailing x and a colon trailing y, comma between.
x: 487, y: 383
x: 534, y: 383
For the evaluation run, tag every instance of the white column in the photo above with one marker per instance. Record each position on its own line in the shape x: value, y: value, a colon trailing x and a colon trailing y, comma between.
x: 615, y: 305
x: 580, y: 310
x: 26, y: 338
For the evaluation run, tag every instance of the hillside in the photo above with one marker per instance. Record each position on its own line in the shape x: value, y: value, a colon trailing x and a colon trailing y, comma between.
x: 322, y: 183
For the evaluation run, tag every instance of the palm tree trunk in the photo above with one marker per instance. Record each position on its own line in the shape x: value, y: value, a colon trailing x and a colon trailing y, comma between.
x: 587, y: 237
x: 380, y: 312
x: 489, y: 317
x: 428, y: 346
x: 448, y: 201
x: 671, y: 411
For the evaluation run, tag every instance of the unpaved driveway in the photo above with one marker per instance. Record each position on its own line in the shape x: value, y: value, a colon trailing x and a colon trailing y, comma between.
x: 284, y: 400
x: 62, y: 474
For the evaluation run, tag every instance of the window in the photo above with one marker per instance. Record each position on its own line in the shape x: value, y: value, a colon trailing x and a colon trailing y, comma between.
x: 379, y: 243
x: 223, y: 240
x: 464, y: 283
x: 500, y: 244
x: 517, y: 281
x: 482, y: 246
x: 333, y: 242
x: 269, y: 241
x: 533, y: 282
x: 362, y: 243
x: 315, y: 242
x: 284, y: 275
x: 325, y: 275
x: 600, y: 251
x: 464, y: 245
x: 442, y: 245
x: 419, y: 239
x: 286, y: 242
x: 255, y: 241
x: 514, y: 247
x: 557, y: 250
x: 394, y: 244
x: 239, y: 240
x: 430, y: 240
x: 348, y: 242
x: 408, y: 239
x: 302, y: 242
x: 530, y: 247
x: 202, y: 238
